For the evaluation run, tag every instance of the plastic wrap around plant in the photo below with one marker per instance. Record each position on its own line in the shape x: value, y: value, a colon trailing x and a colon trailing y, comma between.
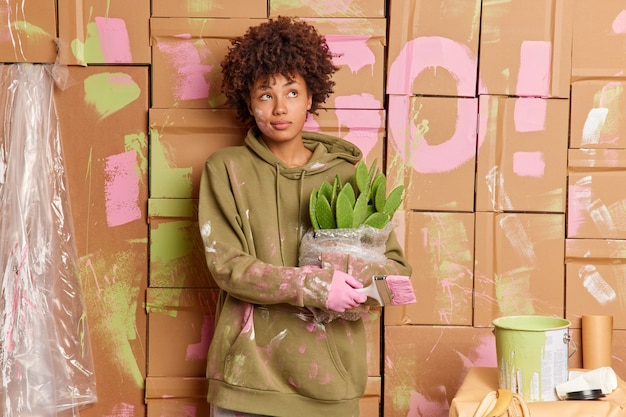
x: 365, y: 242
x: 46, y: 365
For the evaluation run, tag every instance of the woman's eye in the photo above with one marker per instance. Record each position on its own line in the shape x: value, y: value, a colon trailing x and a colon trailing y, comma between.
x: 265, y: 97
x: 293, y: 94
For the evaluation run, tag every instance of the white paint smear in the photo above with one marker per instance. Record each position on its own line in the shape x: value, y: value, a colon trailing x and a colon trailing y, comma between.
x: 593, y: 125
x: 518, y: 238
x: 601, y: 217
x: 596, y: 285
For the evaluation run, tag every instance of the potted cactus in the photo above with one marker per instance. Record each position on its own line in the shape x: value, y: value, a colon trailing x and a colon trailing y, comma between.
x: 352, y: 218
x: 361, y: 201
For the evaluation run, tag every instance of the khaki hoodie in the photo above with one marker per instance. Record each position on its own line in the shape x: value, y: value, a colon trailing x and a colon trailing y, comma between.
x: 268, y: 356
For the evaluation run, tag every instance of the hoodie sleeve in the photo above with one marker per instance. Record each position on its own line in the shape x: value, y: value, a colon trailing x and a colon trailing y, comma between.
x: 231, y: 258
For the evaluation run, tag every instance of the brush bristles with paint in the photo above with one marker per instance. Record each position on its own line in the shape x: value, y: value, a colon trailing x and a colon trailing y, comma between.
x: 390, y: 290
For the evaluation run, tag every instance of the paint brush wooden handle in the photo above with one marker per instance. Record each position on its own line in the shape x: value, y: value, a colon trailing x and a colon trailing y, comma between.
x: 390, y: 290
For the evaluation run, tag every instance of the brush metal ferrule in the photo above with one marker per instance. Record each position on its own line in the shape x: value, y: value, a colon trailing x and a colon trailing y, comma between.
x: 386, y: 295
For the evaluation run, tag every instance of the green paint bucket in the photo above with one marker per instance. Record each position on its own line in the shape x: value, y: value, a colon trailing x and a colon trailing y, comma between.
x: 533, y: 353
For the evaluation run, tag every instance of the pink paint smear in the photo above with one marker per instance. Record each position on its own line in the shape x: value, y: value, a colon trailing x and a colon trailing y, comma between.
x: 121, y: 189
x: 353, y: 51
x: 619, y: 24
x: 199, y: 351
x: 535, y: 68
x: 190, y: 83
x: 529, y: 164
x: 433, y: 52
x: 114, y: 40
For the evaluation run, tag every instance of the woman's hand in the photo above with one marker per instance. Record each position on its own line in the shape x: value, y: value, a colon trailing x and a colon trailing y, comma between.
x: 342, y: 295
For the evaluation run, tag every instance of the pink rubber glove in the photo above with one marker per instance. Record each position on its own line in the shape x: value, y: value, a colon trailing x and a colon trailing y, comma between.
x: 342, y: 295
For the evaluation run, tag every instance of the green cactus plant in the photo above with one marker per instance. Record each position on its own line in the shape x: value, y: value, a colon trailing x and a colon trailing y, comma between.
x: 362, y: 200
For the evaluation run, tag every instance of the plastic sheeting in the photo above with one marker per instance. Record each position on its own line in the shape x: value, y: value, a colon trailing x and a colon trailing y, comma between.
x: 46, y: 365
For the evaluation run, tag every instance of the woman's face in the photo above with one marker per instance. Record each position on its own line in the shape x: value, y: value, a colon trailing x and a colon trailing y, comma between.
x: 280, y: 107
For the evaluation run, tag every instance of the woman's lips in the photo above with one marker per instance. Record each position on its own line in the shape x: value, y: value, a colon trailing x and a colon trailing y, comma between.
x: 281, y: 125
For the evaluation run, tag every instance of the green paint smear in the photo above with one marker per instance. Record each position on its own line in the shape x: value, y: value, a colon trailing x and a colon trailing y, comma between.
x: 138, y: 142
x: 318, y: 8
x: 513, y: 292
x: 110, y: 92
x: 199, y: 6
x: 90, y: 50
x: 177, y: 255
x: 172, y: 182
x: 401, y: 397
x: 165, y: 300
x: 112, y: 289
x: 448, y: 235
x: 30, y: 29
x: 171, y: 240
x: 609, y: 97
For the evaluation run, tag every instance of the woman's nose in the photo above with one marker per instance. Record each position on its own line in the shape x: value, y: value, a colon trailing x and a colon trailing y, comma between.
x: 279, y: 107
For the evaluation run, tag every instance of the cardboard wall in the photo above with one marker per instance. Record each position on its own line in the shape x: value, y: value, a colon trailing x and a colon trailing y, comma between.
x: 103, y: 125
x: 504, y: 120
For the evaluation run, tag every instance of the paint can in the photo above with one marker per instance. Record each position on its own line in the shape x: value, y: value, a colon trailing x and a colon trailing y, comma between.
x: 532, y: 353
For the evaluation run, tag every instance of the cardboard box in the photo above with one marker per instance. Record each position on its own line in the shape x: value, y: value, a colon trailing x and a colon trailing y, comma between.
x: 433, y: 47
x: 369, y: 404
x: 187, y: 55
x: 518, y: 265
x: 360, y: 44
x: 522, y: 161
x: 425, y: 366
x: 431, y: 155
x: 103, y: 125
x: 186, y: 60
x: 181, y: 322
x: 595, y: 270
x: 177, y: 407
x: 598, y: 114
x: 213, y: 8
x: 176, y: 248
x: 531, y: 57
x: 594, y: 204
x: 440, y: 247
x: 599, y: 35
x: 362, y: 127
x: 314, y: 8
x: 104, y: 32
x: 27, y: 31
x: 180, y: 142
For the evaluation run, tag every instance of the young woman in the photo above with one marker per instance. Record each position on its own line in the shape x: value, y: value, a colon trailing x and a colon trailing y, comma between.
x: 269, y: 356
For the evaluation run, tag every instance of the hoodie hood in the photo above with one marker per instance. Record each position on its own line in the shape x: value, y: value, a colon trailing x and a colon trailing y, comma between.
x: 328, y: 151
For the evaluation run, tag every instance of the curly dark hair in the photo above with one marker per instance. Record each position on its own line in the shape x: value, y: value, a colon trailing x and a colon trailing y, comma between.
x: 284, y: 46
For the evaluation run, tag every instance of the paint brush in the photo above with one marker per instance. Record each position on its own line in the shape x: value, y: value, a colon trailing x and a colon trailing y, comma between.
x: 390, y: 290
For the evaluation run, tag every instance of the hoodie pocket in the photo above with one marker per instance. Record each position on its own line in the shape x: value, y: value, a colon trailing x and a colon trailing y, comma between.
x: 284, y: 352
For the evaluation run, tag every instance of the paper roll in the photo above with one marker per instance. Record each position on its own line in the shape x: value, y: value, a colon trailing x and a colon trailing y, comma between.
x: 597, y: 338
